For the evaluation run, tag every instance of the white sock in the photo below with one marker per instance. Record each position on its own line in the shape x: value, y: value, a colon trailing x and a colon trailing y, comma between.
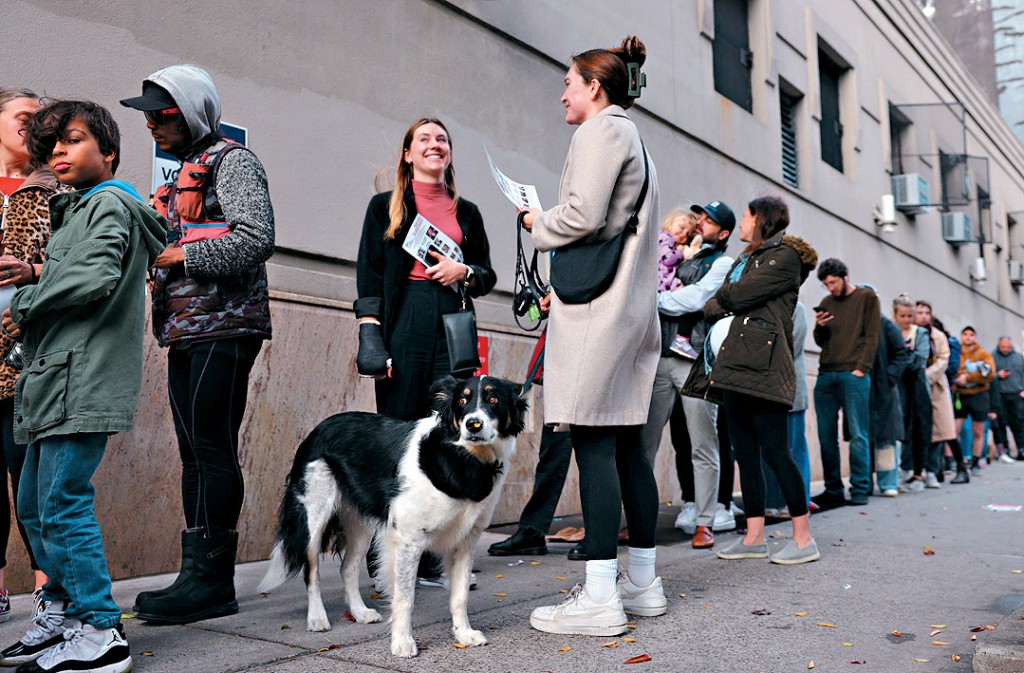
x: 601, y: 579
x: 641, y: 566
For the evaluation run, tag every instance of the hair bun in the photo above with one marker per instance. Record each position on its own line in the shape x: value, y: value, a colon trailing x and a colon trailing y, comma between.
x: 632, y: 50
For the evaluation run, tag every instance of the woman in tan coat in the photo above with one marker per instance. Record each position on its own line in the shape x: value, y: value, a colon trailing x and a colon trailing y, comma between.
x: 601, y: 356
x: 943, y: 422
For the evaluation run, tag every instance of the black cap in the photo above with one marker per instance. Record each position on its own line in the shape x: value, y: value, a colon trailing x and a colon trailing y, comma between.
x: 968, y: 328
x: 719, y: 213
x: 154, y: 97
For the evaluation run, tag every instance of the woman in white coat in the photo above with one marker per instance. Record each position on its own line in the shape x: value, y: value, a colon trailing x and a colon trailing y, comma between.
x: 602, y: 355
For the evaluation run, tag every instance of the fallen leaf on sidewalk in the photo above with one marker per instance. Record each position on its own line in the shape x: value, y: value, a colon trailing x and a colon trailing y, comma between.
x: 125, y: 615
x: 459, y: 645
x: 563, y: 591
x: 329, y: 648
x: 810, y: 664
x: 827, y: 625
x: 928, y: 551
x: 936, y: 626
x: 535, y: 563
x: 559, y: 577
x: 940, y: 643
x: 629, y: 640
x: 285, y: 627
x: 563, y: 650
x: 973, y: 637
x: 682, y: 595
x: 1015, y: 572
x: 613, y: 643
x: 501, y: 595
x: 857, y: 661
x: 498, y: 577
x: 847, y: 644
x: 955, y: 657
x: 147, y: 653
x: 800, y: 614
x: 989, y: 627
x: 639, y: 659
x: 922, y: 661
x: 896, y: 633
x: 934, y: 633
x: 630, y: 625
x: 976, y: 629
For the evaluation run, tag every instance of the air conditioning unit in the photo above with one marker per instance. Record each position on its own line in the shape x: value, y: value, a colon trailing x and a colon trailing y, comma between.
x: 910, y: 192
x: 1016, y: 272
x: 956, y: 228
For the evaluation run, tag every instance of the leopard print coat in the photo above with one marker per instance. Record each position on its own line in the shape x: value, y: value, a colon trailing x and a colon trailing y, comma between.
x: 26, y: 230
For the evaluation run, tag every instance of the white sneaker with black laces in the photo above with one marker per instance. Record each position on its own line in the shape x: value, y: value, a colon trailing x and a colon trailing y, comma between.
x: 47, y: 631
x: 641, y: 601
x: 85, y: 649
x: 580, y: 614
x: 724, y: 519
x: 687, y: 519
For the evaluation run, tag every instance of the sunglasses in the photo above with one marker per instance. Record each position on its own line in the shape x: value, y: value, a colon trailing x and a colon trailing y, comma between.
x: 159, y: 117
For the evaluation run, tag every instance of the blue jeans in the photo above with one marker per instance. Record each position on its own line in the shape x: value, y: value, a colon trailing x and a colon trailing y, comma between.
x: 55, y: 503
x: 843, y: 390
x: 887, y: 472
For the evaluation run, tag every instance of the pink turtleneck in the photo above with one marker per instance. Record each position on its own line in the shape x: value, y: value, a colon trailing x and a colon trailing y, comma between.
x: 434, y: 203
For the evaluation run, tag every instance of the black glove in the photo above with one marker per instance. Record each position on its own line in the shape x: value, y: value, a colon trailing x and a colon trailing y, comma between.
x: 372, y: 359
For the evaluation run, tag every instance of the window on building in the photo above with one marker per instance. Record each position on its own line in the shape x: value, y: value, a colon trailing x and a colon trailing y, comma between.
x: 956, y: 190
x: 899, y: 138
x: 829, y: 74
x: 788, y: 104
x: 731, y: 55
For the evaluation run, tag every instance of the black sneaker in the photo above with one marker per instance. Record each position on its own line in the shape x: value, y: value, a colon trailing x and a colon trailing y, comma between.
x: 829, y: 500
x: 85, y: 649
x: 858, y: 499
x: 47, y: 630
x: 524, y: 542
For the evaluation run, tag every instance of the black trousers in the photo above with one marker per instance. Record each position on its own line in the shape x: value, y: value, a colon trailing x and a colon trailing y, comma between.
x: 553, y: 459
x: 13, y: 458
x: 614, y: 470
x: 1011, y: 413
x: 760, y: 429
x: 419, y: 350
x: 208, y: 385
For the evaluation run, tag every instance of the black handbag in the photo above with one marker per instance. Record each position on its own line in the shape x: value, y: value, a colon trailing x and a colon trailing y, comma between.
x: 583, y: 271
x: 460, y: 333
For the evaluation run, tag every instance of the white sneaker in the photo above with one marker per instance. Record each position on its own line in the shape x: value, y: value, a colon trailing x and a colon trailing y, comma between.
x: 736, y: 511
x: 642, y: 601
x: 905, y: 475
x: 1005, y: 458
x: 38, y: 604
x: 724, y: 519
x: 687, y: 519
x: 890, y: 493
x: 87, y: 648
x: 931, y: 481
x: 47, y: 631
x: 913, y: 486
x: 581, y: 615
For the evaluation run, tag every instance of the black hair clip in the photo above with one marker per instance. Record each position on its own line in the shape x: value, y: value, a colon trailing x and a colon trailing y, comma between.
x: 637, y: 80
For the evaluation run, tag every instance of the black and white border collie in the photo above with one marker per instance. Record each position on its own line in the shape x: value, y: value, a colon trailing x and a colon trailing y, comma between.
x: 428, y: 484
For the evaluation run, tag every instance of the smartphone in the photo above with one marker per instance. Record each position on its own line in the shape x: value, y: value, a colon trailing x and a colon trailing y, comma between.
x: 820, y: 309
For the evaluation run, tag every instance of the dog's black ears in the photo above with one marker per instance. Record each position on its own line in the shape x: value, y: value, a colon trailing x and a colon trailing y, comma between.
x: 442, y: 392
x: 518, y: 408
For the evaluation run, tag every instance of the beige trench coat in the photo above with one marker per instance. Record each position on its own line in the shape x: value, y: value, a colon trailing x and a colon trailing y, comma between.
x: 601, y: 357
x: 943, y: 423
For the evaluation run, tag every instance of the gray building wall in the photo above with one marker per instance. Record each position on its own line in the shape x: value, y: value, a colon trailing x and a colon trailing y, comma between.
x: 327, y: 88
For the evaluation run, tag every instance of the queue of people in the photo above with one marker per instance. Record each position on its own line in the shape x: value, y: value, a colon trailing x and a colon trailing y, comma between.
x: 714, y: 342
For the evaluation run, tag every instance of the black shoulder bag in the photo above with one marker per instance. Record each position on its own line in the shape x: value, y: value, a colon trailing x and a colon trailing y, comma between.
x: 583, y: 271
x: 460, y: 333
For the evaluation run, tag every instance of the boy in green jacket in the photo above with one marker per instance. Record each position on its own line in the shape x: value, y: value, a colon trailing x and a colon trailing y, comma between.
x: 82, y: 325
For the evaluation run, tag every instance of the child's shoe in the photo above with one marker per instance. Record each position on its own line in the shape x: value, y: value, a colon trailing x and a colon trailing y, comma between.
x: 5, y: 605
x: 681, y: 346
x: 47, y: 632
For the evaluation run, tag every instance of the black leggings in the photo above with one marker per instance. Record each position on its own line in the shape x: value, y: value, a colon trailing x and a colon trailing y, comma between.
x: 614, y: 470
x: 208, y: 383
x: 12, y: 459
x: 760, y: 429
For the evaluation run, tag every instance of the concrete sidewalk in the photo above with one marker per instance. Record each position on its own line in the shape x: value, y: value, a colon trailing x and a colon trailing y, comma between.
x: 874, y: 578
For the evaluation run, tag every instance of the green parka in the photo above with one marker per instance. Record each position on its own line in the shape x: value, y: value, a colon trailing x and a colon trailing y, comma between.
x: 756, y: 357
x: 83, y: 321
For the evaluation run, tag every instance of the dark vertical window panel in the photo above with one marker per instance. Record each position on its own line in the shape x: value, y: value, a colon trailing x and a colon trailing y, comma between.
x: 829, y: 74
x: 787, y: 125
x: 731, y: 55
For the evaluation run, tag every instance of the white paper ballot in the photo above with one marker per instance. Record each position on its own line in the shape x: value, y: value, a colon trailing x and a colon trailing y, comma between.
x: 523, y: 196
x: 424, y: 236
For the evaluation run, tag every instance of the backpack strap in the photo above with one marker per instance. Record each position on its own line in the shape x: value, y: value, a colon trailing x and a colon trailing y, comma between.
x: 211, y: 203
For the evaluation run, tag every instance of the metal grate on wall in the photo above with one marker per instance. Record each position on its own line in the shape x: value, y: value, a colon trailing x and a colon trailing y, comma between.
x: 790, y: 167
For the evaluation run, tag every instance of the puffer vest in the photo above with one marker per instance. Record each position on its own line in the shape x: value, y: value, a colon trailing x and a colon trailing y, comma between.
x: 187, y: 308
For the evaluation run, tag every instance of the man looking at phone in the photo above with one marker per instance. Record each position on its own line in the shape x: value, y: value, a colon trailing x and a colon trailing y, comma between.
x: 847, y: 329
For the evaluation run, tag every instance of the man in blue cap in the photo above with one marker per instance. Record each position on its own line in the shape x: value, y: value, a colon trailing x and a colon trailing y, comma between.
x: 682, y: 313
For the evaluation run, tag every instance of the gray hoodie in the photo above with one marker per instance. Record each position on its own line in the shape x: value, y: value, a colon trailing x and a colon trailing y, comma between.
x: 192, y: 89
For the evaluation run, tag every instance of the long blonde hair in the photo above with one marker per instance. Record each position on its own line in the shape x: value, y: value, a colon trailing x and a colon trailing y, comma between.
x: 403, y: 178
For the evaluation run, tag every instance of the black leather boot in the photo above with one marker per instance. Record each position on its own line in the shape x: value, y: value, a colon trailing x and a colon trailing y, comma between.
x: 187, y: 555
x: 524, y: 542
x: 962, y: 477
x: 208, y: 592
